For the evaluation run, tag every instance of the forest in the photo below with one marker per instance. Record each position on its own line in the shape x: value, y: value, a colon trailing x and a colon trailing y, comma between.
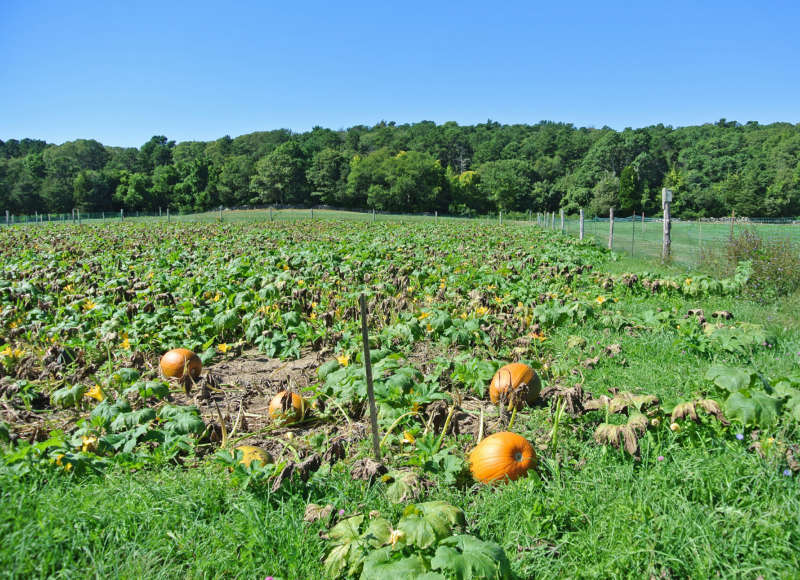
x: 714, y: 169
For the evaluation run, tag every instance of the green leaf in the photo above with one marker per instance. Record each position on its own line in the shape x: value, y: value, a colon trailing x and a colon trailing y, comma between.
x: 378, y: 532
x: 68, y: 396
x: 384, y: 564
x: 756, y: 408
x: 466, y: 557
x: 125, y: 421
x: 730, y: 378
x: 426, y: 523
x: 327, y: 369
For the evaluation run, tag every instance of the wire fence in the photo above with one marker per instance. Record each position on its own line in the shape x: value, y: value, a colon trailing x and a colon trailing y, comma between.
x: 692, y: 241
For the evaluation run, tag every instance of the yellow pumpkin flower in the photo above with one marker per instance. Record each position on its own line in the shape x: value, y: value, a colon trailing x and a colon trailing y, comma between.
x: 423, y: 315
x: 96, y: 392
x: 600, y: 299
x: 481, y: 310
x: 343, y: 359
x: 89, y: 305
x: 223, y: 348
x: 409, y: 438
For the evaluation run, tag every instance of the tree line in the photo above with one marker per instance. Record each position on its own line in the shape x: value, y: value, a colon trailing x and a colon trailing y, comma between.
x: 713, y: 169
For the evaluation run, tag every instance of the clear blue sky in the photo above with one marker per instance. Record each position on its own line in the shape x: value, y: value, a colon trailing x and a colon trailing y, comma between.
x: 120, y: 72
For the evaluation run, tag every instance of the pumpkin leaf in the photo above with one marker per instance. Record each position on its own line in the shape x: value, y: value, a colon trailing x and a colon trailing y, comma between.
x: 404, y: 486
x: 467, y: 557
x: 730, y: 378
x: 755, y: 408
x: 385, y: 564
x: 426, y: 523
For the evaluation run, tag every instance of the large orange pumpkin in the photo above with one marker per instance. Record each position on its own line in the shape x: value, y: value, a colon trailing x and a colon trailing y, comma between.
x: 292, y: 414
x: 178, y: 361
x: 508, y: 379
x: 500, y: 456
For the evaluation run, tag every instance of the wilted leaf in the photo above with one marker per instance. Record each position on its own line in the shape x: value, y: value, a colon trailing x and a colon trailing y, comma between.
x: 316, y: 512
x: 404, y: 486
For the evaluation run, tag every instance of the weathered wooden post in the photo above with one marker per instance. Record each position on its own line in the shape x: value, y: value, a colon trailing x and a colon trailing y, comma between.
x: 500, y: 215
x: 373, y: 215
x: 580, y: 228
x: 8, y: 218
x: 168, y: 219
x: 633, y: 231
x: 219, y: 211
x: 553, y: 220
x: 373, y: 409
x: 122, y: 214
x: 611, y: 228
x: 159, y: 211
x: 666, y: 244
x: 104, y: 217
x: 733, y: 219
x: 436, y: 216
x: 562, y: 219
x: 79, y: 216
x: 312, y: 213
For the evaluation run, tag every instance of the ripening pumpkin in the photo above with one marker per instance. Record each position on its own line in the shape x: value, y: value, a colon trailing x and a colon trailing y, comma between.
x: 179, y: 360
x: 251, y: 453
x: 500, y: 456
x: 292, y: 414
x: 514, y: 375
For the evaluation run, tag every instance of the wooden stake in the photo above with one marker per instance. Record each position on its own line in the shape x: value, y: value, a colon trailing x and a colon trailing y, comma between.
x: 580, y: 235
x: 373, y: 409
x: 611, y: 228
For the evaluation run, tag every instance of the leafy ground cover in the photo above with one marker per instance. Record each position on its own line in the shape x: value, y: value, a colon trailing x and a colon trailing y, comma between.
x: 666, y: 430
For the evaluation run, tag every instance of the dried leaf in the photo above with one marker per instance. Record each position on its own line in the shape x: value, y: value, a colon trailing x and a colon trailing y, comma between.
x: 316, y: 512
x: 638, y: 423
x: 629, y: 438
x: 683, y: 410
x: 711, y: 407
x: 367, y: 469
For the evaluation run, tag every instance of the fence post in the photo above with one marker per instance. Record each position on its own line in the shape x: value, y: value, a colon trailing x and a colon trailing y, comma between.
x: 700, y: 239
x: 562, y: 220
x: 611, y: 228
x: 121, y: 214
x: 580, y: 230
x: 270, y: 213
x: 8, y: 218
x: 312, y: 213
x: 642, y: 221
x: 500, y: 215
x: 666, y: 244
x: 79, y: 216
x: 168, y: 220
x: 733, y: 219
x: 436, y: 216
x: 159, y: 211
x: 104, y: 217
x: 373, y: 215
x: 633, y: 231
x: 220, y: 213
x: 529, y: 215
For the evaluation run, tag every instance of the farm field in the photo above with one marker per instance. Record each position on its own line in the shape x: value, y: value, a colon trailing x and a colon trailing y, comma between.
x: 666, y: 429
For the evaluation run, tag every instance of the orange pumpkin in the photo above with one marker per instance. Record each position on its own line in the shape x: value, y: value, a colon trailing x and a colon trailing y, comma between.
x: 293, y: 414
x: 508, y: 379
x: 500, y: 456
x: 178, y: 361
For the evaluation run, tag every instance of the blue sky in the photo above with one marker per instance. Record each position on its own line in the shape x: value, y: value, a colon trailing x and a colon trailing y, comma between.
x: 120, y: 72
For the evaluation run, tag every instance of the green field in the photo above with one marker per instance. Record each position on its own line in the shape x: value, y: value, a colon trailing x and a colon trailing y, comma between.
x: 677, y: 457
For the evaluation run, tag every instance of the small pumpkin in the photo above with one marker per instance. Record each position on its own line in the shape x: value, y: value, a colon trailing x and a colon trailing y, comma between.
x: 501, y: 456
x: 179, y: 363
x: 250, y: 453
x: 281, y: 410
x: 508, y: 381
